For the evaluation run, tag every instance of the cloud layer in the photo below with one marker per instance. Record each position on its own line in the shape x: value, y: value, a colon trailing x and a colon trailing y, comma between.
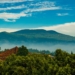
x: 8, y: 30
x: 13, y: 1
x: 66, y: 28
x: 11, y: 17
x: 28, y: 7
x: 24, y: 9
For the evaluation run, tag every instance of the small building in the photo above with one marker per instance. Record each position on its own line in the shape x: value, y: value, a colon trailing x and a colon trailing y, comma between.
x: 5, y: 54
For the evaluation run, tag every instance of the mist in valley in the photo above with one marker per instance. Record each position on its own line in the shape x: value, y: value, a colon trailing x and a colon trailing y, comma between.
x: 50, y: 47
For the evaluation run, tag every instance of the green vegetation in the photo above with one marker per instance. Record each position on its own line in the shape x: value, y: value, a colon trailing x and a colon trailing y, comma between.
x: 62, y: 63
x: 22, y: 51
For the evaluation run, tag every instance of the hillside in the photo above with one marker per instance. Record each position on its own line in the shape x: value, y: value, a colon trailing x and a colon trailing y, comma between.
x: 36, y: 36
x: 38, y: 39
x: 40, y: 33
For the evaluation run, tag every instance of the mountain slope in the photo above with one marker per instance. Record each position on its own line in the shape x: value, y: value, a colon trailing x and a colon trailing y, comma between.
x: 35, y: 36
x: 37, y: 39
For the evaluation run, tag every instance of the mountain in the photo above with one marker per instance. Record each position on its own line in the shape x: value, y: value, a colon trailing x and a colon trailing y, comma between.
x: 36, y: 31
x: 37, y: 37
x: 40, y: 35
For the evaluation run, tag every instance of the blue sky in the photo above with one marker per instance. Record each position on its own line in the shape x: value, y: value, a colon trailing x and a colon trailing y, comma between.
x: 56, y: 15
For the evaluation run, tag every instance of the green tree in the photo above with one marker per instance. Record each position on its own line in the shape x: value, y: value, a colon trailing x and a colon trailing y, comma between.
x: 22, y: 51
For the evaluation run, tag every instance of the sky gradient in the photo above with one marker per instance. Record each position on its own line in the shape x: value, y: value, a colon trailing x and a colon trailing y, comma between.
x: 56, y: 15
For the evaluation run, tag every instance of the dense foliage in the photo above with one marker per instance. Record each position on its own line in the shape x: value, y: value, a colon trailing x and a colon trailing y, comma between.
x: 62, y: 63
x: 22, y: 51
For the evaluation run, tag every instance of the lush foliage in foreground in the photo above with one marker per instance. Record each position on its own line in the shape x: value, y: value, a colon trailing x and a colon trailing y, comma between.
x: 62, y: 63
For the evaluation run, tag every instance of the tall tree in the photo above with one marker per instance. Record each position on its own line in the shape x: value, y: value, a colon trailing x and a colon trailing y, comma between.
x: 22, y: 51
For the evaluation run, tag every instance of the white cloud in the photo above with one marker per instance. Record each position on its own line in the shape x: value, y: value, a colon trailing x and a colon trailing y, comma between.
x: 41, y: 9
x: 37, y: 7
x: 12, y: 20
x: 8, y: 30
x: 11, y: 17
x: 62, y: 14
x: 13, y: 1
x: 14, y: 7
x: 67, y: 28
x: 43, y: 6
x: 40, y: 6
x: 44, y: 3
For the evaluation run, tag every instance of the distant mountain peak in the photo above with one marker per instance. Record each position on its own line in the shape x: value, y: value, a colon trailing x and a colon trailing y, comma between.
x: 4, y: 32
x: 36, y: 31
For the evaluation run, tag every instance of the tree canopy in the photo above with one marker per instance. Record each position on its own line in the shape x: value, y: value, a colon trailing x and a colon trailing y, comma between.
x: 62, y: 63
x: 22, y: 51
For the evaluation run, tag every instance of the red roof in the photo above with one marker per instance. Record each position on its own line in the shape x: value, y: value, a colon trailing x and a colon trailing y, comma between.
x: 7, y: 53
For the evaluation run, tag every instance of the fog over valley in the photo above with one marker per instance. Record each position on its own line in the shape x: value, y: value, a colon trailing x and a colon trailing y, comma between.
x: 50, y: 47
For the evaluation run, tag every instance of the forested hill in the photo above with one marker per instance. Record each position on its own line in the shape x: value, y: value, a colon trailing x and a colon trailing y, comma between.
x: 36, y: 31
x: 36, y: 36
x: 26, y: 63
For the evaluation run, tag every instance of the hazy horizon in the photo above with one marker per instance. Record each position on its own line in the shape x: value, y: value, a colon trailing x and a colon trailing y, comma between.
x: 50, y: 47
